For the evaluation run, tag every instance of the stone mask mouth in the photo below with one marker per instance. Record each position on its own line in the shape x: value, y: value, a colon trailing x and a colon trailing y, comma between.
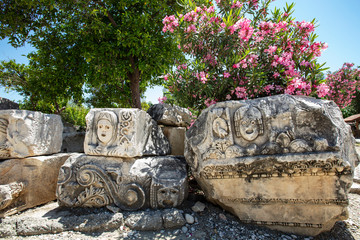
x: 251, y: 131
x: 168, y: 203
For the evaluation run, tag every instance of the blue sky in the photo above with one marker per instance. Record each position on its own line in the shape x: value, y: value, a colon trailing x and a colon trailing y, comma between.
x: 338, y: 26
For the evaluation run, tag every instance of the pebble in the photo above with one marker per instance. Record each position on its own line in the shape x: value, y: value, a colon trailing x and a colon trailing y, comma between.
x: 184, y: 229
x: 198, y: 207
x: 176, y: 232
x: 222, y: 217
x: 189, y: 218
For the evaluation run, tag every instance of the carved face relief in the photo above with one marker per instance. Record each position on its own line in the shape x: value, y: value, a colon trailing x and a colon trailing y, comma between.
x: 248, y: 123
x: 104, y: 130
x: 167, y: 197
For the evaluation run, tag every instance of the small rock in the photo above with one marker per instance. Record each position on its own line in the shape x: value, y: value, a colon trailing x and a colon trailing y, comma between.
x: 176, y: 232
x: 173, y: 218
x: 189, y: 218
x: 198, y: 207
x: 222, y: 217
x: 184, y: 229
x: 113, y: 209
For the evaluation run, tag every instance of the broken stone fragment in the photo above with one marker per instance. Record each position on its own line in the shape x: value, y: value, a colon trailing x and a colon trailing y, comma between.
x: 285, y: 162
x: 168, y: 115
x: 128, y: 183
x: 28, y: 182
x: 121, y: 132
x: 27, y: 133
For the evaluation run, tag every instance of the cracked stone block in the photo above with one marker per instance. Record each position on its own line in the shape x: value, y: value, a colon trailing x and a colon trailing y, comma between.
x: 28, y: 182
x: 285, y: 162
x: 169, y: 115
x: 26, y: 133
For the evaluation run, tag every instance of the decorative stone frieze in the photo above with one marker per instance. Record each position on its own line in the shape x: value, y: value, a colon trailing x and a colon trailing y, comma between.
x: 128, y: 183
x: 27, y: 133
x: 121, y: 132
x: 285, y: 162
x: 168, y: 115
x: 28, y: 182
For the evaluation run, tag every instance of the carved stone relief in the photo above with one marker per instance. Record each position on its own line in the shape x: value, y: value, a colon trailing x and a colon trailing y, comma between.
x: 27, y: 133
x: 281, y: 152
x: 123, y: 133
x: 130, y: 184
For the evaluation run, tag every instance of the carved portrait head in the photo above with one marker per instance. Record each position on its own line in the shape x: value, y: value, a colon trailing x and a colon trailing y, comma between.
x: 106, y: 127
x: 248, y: 123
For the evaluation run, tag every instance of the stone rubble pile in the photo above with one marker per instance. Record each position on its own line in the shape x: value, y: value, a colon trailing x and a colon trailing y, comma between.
x: 173, y: 121
x: 285, y: 162
x: 30, y: 143
x: 124, y: 166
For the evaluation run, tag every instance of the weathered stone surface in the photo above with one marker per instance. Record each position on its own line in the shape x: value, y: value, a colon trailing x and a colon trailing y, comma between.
x: 7, y: 104
x: 285, y: 162
x: 176, y: 137
x: 130, y: 184
x: 50, y: 218
x: 28, y: 182
x: 145, y: 221
x: 155, y: 220
x: 170, y: 115
x: 73, y: 142
x: 27, y: 133
x: 121, y: 132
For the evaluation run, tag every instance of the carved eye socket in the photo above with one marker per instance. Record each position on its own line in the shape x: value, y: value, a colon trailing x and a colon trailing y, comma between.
x: 253, y: 122
x: 162, y: 191
x: 100, y: 126
x: 107, y: 127
x: 243, y: 122
x: 173, y: 191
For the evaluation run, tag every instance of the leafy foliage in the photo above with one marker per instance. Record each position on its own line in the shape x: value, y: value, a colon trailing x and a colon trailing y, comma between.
x: 114, y: 48
x: 238, y: 50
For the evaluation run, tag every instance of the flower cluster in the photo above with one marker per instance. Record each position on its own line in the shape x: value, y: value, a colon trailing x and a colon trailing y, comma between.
x: 237, y: 51
x: 342, y: 84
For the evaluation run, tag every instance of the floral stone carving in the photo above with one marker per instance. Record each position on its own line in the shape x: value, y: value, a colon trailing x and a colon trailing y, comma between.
x: 128, y: 183
x: 285, y: 162
x: 123, y: 133
x: 27, y: 133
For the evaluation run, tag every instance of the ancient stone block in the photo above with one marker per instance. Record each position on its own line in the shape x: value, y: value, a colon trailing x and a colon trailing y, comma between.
x: 28, y: 182
x: 128, y: 183
x: 176, y: 137
x: 170, y: 115
x: 285, y: 162
x: 121, y: 132
x: 27, y: 133
x: 7, y: 104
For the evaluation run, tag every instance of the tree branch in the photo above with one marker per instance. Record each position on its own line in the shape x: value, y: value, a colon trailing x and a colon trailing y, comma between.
x: 110, y: 17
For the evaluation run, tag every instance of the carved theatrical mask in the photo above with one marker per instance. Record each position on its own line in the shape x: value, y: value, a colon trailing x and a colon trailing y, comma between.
x: 104, y: 130
x: 248, y: 123
x: 105, y: 127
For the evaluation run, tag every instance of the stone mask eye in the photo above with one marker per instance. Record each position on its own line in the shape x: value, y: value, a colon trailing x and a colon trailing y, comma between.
x: 253, y: 122
x: 107, y: 127
x: 244, y: 122
x: 100, y: 126
x: 173, y: 191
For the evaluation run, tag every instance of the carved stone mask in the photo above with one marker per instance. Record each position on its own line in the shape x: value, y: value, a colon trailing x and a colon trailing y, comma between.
x: 249, y: 123
x: 104, y: 130
x: 168, y: 197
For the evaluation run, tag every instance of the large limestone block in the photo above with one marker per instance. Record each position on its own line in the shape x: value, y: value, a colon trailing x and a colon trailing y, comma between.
x: 176, y: 137
x: 121, y: 132
x: 170, y: 115
x: 128, y: 183
x: 27, y: 133
x: 285, y: 162
x: 28, y: 182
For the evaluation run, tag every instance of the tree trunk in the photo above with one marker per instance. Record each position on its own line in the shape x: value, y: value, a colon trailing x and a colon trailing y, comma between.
x: 134, y: 78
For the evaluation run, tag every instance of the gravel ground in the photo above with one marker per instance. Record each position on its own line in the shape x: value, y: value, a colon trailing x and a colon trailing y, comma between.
x: 215, y: 223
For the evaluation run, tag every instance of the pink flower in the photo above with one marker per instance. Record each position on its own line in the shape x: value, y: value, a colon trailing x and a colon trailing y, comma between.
x: 226, y: 75
x: 162, y: 99
x: 322, y: 90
